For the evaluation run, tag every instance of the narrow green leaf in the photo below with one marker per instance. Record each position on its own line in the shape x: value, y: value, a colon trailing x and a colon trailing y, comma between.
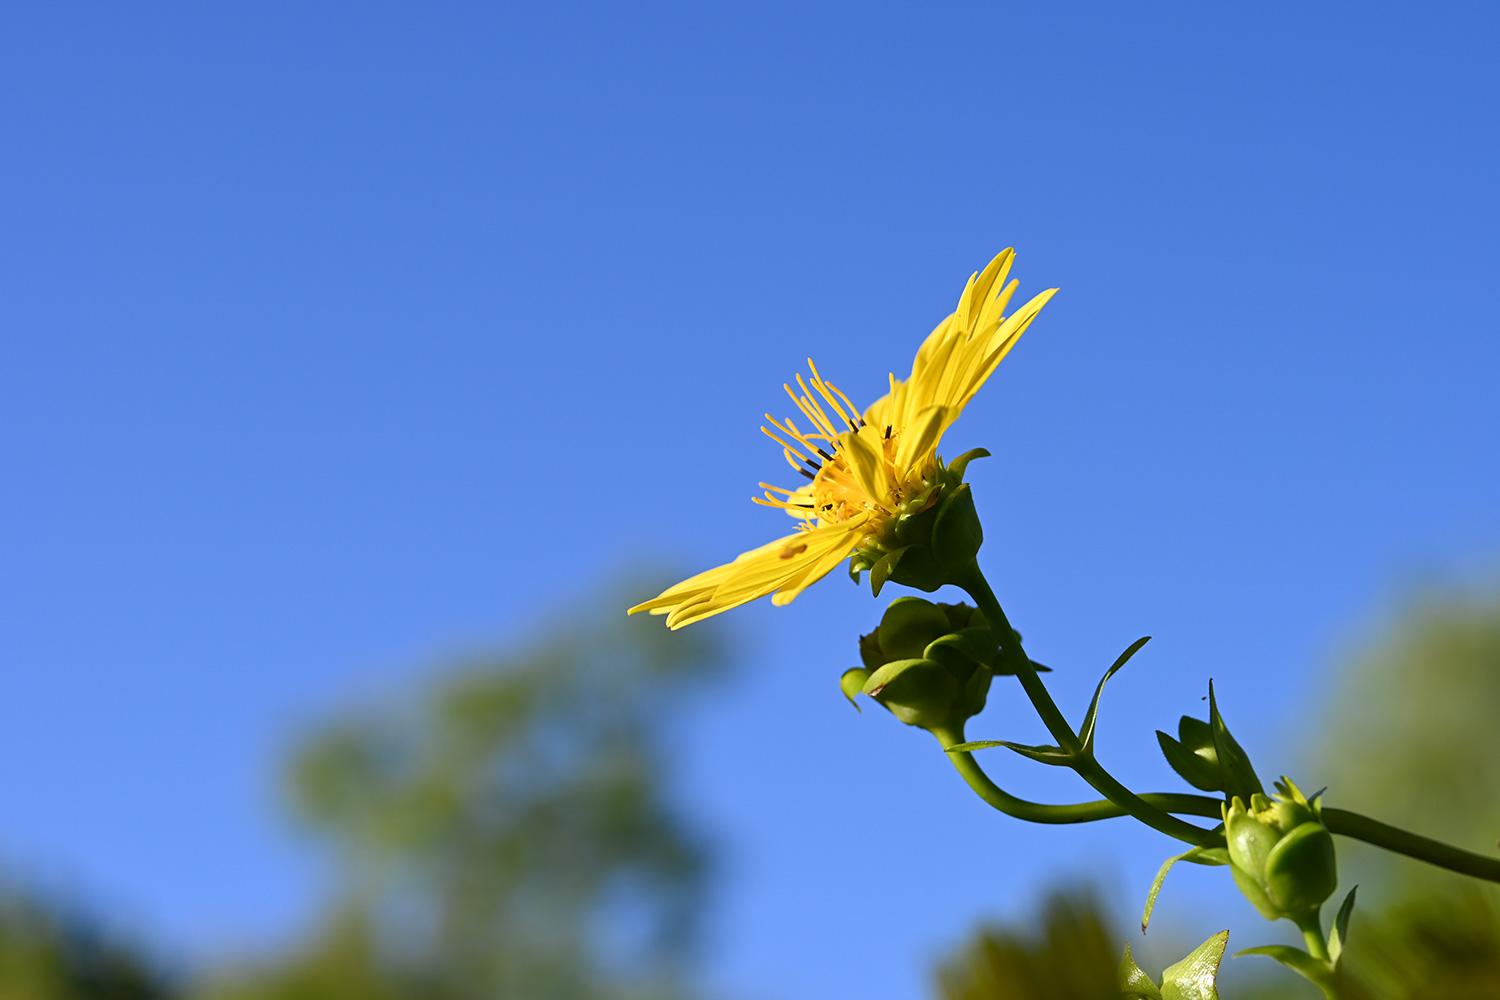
x: 1045, y: 753
x: 1339, y: 936
x: 1195, y: 977
x: 1086, y: 731
x: 1297, y: 960
x: 1196, y: 856
x: 1133, y: 981
x: 1239, y: 776
x: 852, y: 682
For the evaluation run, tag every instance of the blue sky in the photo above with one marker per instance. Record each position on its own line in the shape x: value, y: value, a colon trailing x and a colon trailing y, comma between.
x: 336, y: 339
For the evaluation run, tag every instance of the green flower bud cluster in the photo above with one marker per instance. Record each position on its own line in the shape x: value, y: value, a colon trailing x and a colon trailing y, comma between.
x: 929, y: 664
x: 935, y: 543
x: 1280, y: 852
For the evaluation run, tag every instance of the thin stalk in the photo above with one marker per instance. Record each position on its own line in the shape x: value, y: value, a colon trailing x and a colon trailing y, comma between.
x: 1041, y: 699
x: 1391, y: 838
x: 1317, y: 946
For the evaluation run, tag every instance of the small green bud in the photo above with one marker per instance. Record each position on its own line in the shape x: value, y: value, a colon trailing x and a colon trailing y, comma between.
x: 928, y: 664
x: 1280, y: 853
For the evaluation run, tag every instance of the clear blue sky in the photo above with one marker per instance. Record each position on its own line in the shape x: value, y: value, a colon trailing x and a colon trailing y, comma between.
x: 337, y: 337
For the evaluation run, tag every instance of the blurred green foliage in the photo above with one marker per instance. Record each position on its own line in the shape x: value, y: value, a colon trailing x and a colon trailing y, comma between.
x: 508, y: 831
x: 504, y: 830
x: 1414, y: 739
x: 45, y: 955
x: 1069, y: 951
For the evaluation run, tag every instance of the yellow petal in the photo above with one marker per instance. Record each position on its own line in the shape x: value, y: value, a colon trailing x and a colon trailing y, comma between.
x: 756, y: 573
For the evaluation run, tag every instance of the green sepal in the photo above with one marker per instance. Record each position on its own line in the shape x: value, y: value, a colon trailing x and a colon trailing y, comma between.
x: 918, y: 692
x: 1196, y: 976
x: 1301, y: 870
x: 1339, y: 935
x: 1234, y: 764
x: 1086, y: 731
x: 1192, y: 754
x: 908, y: 625
x: 1312, y: 969
x: 852, y: 682
x: 1134, y: 983
x: 973, y: 646
x: 884, y: 567
x: 961, y: 463
x: 957, y: 534
x: 1210, y: 856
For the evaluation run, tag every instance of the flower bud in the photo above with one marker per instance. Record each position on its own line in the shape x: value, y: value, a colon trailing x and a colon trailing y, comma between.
x: 928, y: 664
x: 1280, y: 853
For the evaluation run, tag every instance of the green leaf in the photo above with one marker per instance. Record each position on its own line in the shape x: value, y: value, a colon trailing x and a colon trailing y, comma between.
x: 1298, y: 961
x: 1198, y: 856
x: 1339, y: 936
x: 1234, y: 763
x: 1045, y: 753
x: 1194, y: 977
x: 1133, y: 981
x: 884, y: 567
x: 1086, y: 731
x: 852, y: 682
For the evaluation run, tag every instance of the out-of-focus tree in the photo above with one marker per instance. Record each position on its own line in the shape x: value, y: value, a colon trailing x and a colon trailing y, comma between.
x: 1070, y: 951
x: 508, y: 832
x: 48, y: 955
x: 1414, y: 738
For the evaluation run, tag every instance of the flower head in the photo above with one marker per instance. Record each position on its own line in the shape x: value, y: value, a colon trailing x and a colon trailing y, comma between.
x: 865, y: 472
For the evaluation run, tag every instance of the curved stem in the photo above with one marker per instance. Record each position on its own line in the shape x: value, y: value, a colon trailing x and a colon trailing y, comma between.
x: 1077, y: 812
x: 1041, y: 699
x: 1343, y: 822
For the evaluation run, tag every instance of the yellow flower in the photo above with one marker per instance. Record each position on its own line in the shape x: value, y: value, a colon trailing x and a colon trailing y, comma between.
x: 865, y: 472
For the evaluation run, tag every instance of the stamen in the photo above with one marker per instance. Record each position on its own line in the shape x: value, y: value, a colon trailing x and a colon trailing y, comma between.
x: 816, y: 414
x: 768, y: 433
x: 822, y: 388
x: 852, y: 408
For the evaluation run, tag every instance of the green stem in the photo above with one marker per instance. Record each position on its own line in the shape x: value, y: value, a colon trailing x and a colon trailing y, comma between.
x: 1317, y: 946
x: 1039, y: 812
x: 1312, y: 932
x: 1041, y: 699
x: 1343, y: 822
x: 1391, y: 838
